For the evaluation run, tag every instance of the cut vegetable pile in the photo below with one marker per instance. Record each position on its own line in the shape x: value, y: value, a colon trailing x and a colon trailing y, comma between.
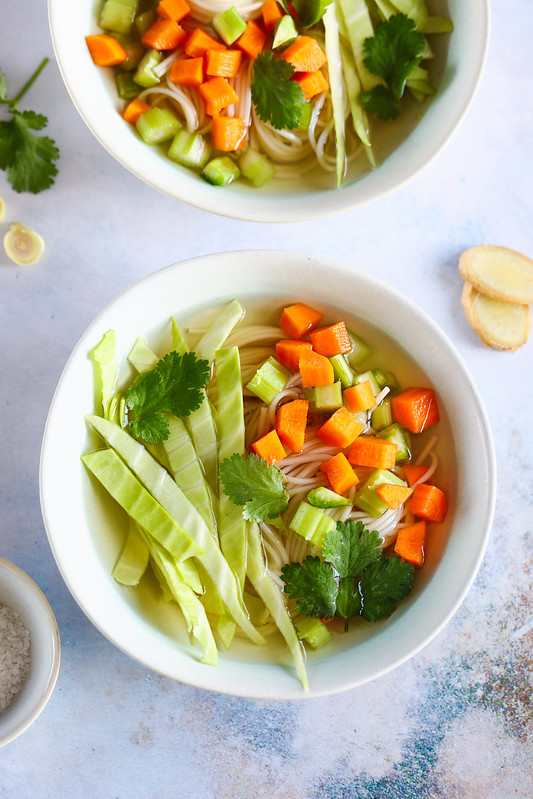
x: 269, y: 481
x: 267, y: 88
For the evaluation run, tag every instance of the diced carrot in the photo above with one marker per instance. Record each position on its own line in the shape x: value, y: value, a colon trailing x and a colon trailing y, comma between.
x: 428, y: 502
x: 416, y: 408
x: 225, y: 63
x: 134, y: 109
x: 164, y: 34
x: 105, y: 50
x: 217, y: 94
x: 339, y: 472
x: 291, y: 421
x: 413, y: 473
x: 198, y: 42
x: 269, y: 447
x: 288, y: 352
x: 410, y: 543
x: 331, y: 340
x: 252, y: 40
x: 340, y: 430
x: 359, y: 397
x: 315, y: 369
x: 374, y: 452
x: 187, y: 71
x: 173, y: 9
x: 305, y: 54
x: 299, y: 319
x: 228, y: 133
x: 312, y: 83
x: 270, y: 12
x: 392, y: 495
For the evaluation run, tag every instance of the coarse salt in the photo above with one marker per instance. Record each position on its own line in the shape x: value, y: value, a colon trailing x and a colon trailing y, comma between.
x: 14, y: 655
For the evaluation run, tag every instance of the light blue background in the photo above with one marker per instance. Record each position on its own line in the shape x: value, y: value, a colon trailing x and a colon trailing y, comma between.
x: 452, y: 722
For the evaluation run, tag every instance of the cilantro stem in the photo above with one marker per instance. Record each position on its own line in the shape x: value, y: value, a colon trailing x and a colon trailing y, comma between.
x: 29, y: 83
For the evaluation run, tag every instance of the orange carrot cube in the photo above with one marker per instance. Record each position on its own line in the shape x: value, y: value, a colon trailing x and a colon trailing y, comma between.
x: 374, y: 452
x: 315, y: 369
x: 312, y: 83
x: 187, y: 71
x: 217, y: 94
x: 198, y: 42
x: 359, y: 397
x: 173, y: 9
x: 299, y: 319
x: 305, y: 54
x: 340, y: 430
x: 269, y: 447
x: 410, y: 543
x: 331, y: 340
x: 288, y: 352
x: 340, y: 474
x: 416, y: 408
x: 252, y: 40
x: 228, y: 133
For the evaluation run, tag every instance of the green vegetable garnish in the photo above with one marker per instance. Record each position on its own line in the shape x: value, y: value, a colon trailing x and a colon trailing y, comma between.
x: 277, y: 99
x: 174, y: 386
x: 255, y: 485
x: 28, y: 159
x: 395, y: 50
x: 370, y: 584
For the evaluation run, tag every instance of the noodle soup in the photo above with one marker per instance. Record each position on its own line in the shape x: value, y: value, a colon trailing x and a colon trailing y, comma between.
x: 253, y: 336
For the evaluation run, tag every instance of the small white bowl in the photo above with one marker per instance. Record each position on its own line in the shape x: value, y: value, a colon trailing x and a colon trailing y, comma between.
x: 457, y: 68
x: 83, y: 529
x: 19, y: 592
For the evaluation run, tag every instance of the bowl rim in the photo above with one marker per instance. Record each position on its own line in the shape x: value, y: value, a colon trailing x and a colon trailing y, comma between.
x: 253, y: 206
x: 485, y: 504
x: 31, y: 597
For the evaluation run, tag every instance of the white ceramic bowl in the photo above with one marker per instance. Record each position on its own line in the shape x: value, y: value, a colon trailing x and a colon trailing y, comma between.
x: 19, y: 592
x: 83, y: 531
x: 401, y: 154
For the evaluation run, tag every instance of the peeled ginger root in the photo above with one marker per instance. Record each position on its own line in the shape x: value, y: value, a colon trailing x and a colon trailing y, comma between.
x: 496, y: 295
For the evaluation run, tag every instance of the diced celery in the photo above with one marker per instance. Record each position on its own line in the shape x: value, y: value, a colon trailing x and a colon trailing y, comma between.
x: 285, y: 32
x: 118, y: 15
x: 127, y: 88
x: 135, y: 51
x: 271, y: 595
x: 144, y: 74
x: 230, y: 426
x: 229, y: 25
x: 145, y: 20
x: 157, y: 125
x: 312, y: 524
x: 366, y: 498
x: 369, y: 375
x: 360, y: 350
x: 382, y: 415
x: 326, y: 398
x: 256, y: 167
x: 133, y: 559
x: 307, y: 110
x: 269, y: 380
x: 138, y: 503
x: 438, y: 25
x: 381, y: 377
x: 322, y: 497
x: 220, y: 171
x: 189, y: 149
x: 312, y: 630
x: 342, y: 371
x: 397, y: 434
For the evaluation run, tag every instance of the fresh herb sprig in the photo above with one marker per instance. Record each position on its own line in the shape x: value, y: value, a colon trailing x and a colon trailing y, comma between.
x: 277, y: 99
x: 354, y: 578
x: 395, y: 50
x: 175, y: 385
x: 254, y: 484
x: 28, y: 159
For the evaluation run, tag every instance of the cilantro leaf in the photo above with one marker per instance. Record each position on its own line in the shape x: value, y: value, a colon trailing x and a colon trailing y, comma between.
x: 309, y: 12
x: 382, y: 586
x: 27, y: 158
x: 174, y: 385
x: 277, y: 99
x: 348, y: 600
x: 350, y: 548
x: 396, y: 48
x: 254, y: 484
x: 313, y: 584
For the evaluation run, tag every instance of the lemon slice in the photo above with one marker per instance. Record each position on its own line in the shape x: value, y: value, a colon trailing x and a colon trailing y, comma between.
x: 499, y: 324
x: 22, y: 245
x: 498, y: 272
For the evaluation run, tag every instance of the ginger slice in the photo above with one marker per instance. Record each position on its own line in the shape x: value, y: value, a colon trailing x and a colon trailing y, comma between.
x: 499, y: 324
x: 23, y: 245
x: 498, y: 272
